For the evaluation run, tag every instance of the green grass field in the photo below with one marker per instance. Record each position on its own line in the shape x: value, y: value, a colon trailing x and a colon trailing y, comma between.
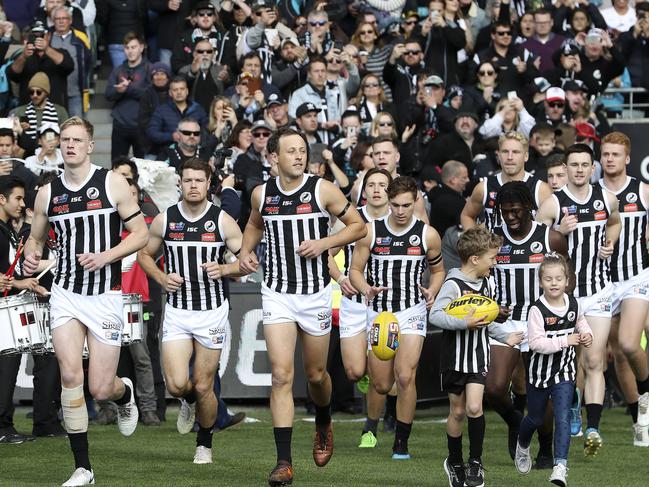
x: 245, y: 455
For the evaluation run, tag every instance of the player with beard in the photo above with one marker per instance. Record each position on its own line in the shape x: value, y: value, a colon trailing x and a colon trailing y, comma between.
x: 630, y: 276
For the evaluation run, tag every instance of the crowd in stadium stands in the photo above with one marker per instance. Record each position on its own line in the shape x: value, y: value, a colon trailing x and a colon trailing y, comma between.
x: 214, y: 79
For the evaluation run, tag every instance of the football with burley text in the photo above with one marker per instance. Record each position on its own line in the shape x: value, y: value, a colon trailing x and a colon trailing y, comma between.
x: 484, y: 306
x: 385, y: 335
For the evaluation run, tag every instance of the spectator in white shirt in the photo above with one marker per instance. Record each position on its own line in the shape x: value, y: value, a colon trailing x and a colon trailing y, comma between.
x: 48, y: 156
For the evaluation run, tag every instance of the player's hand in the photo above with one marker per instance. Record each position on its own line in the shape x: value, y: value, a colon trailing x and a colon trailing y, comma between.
x: 429, y: 295
x: 173, y: 283
x: 372, y: 291
x: 568, y: 223
x: 310, y: 249
x: 473, y: 322
x: 214, y: 270
x: 92, y: 262
x: 503, y: 314
x: 30, y: 264
x: 248, y: 263
x: 347, y: 288
x: 605, y: 251
x: 573, y: 340
x: 515, y: 338
x: 586, y: 339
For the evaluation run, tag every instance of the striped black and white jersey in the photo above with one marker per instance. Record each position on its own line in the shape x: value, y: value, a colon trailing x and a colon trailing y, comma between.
x: 290, y: 218
x: 188, y: 244
x: 397, y: 261
x: 84, y: 220
x: 466, y: 350
x: 491, y: 185
x: 516, y: 274
x: 348, y: 250
x: 592, y: 273
x: 546, y: 370
x: 630, y: 253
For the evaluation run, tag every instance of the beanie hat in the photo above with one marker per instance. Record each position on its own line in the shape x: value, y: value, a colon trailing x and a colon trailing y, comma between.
x: 40, y: 80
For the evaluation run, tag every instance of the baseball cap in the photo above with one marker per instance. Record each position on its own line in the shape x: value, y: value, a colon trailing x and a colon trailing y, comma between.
x: 586, y: 131
x: 290, y: 40
x: 305, y: 108
x: 569, y: 48
x: 259, y: 4
x: 575, y: 85
x: 274, y: 99
x: 555, y: 94
x: 260, y: 124
x: 434, y: 80
x: 204, y: 5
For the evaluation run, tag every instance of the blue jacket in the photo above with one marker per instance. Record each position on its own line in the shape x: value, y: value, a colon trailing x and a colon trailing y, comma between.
x: 165, y: 118
x: 127, y: 105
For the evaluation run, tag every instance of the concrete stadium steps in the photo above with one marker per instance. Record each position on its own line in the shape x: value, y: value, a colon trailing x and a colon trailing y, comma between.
x: 99, y: 116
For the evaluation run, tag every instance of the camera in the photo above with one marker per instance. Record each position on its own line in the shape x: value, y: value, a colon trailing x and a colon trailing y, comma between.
x: 37, y: 31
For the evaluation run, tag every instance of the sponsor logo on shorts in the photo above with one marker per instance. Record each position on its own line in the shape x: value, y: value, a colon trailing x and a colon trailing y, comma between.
x: 61, y: 209
x: 571, y: 316
x: 210, y: 226
x: 505, y: 249
x: 59, y: 200
x: 266, y: 314
x: 301, y: 209
x: 600, y: 215
x: 414, y: 240
x: 217, y: 340
x: 630, y: 208
x: 413, y: 251
x: 177, y: 236
x: 176, y: 227
x: 325, y: 324
x: 94, y: 205
x: 272, y: 200
x: 598, y: 205
x: 324, y: 315
x: 208, y: 237
x: 382, y: 250
x: 536, y: 247
x: 642, y: 290
x: 112, y: 335
x: 272, y: 210
x: 536, y: 258
x: 110, y: 325
x: 305, y: 197
x: 632, y: 197
x: 92, y: 193
x: 216, y: 330
x: 383, y: 240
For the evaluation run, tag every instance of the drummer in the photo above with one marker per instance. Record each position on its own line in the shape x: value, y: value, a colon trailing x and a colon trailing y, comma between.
x: 12, y: 204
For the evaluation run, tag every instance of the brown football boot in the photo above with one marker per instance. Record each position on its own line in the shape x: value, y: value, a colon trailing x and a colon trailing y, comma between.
x: 323, y: 445
x: 282, y: 474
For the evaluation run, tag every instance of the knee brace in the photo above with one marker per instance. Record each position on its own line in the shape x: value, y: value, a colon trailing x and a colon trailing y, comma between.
x: 75, y: 413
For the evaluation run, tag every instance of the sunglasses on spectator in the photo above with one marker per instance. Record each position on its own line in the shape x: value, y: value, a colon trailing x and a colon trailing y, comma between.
x: 411, y: 53
x: 556, y: 104
x: 36, y: 92
x: 259, y: 135
x: 410, y: 22
x: 205, y: 51
x: 385, y: 124
x: 486, y: 73
x: 503, y: 33
x: 195, y: 133
x: 364, y: 32
x: 313, y: 23
x: 206, y: 13
x: 371, y: 85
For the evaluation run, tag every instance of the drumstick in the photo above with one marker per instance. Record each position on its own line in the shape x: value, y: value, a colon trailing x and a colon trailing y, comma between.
x: 52, y: 264
x: 12, y: 268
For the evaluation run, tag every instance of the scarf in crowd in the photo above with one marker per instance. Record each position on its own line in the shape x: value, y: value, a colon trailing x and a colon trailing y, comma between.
x: 49, y: 115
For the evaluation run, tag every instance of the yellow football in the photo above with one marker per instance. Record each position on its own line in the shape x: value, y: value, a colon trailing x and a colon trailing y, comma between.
x: 385, y: 335
x: 483, y: 306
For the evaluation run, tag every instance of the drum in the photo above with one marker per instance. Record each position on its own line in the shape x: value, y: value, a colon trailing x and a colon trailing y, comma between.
x: 43, y: 313
x: 133, y: 319
x: 48, y: 346
x: 19, y: 324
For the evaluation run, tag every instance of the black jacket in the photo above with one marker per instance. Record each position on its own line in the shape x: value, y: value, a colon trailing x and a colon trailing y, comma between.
x: 446, y: 205
x: 401, y: 79
x: 119, y: 17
